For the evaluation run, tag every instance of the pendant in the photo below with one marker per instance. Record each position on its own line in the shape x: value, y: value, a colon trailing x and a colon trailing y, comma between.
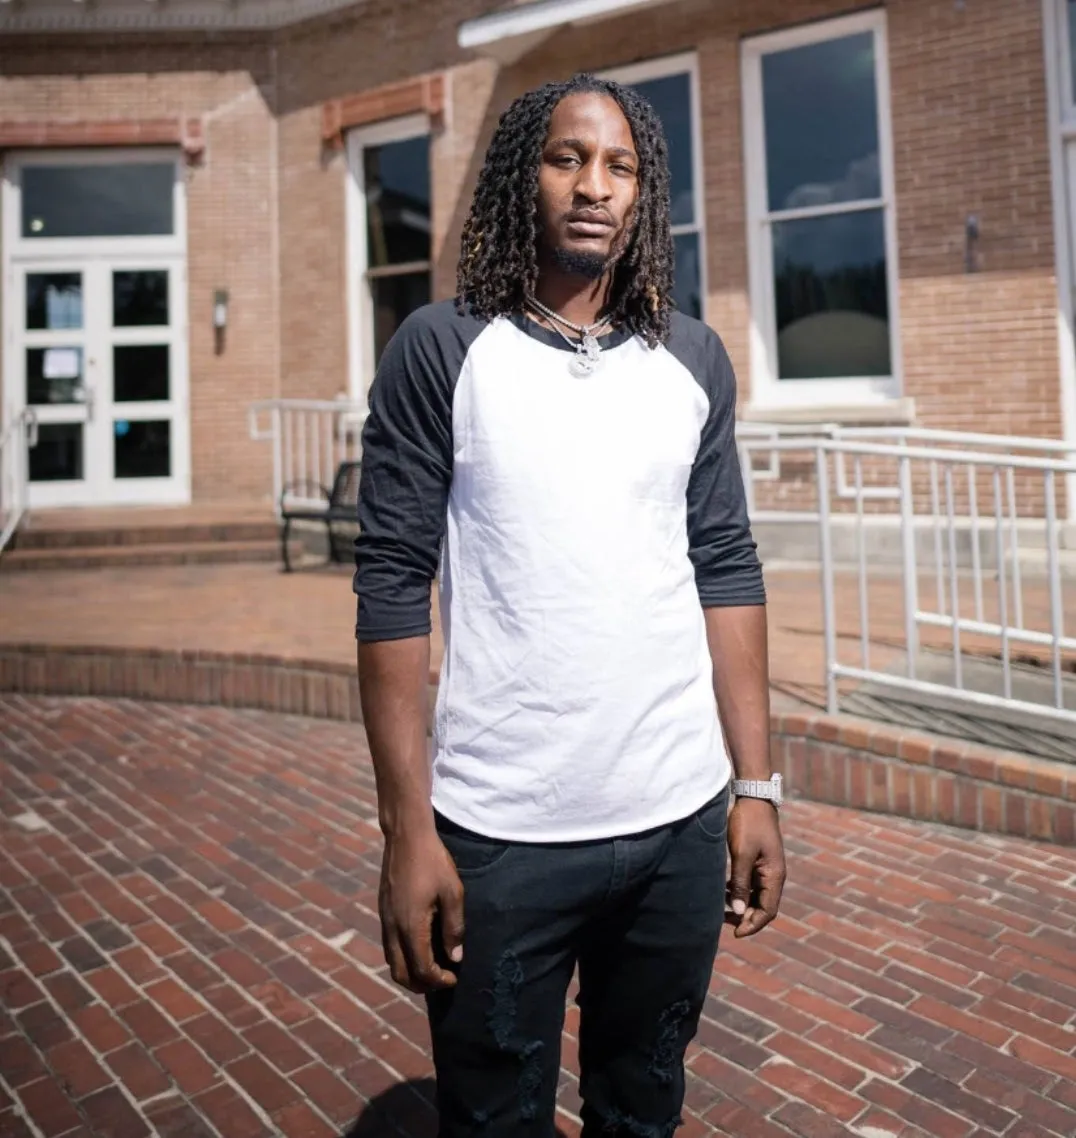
x: 591, y: 346
x: 581, y: 365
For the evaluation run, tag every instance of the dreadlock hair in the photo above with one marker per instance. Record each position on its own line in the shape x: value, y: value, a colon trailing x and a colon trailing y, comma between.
x: 498, y: 265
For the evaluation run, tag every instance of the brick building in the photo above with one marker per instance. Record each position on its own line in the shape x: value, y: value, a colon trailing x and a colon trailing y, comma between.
x: 212, y: 202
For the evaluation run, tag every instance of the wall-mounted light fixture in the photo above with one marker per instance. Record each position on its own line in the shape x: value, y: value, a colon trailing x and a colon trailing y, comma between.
x: 220, y: 317
x: 971, y: 243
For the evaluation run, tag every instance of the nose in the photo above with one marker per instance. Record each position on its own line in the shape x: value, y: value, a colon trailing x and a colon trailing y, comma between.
x: 594, y: 183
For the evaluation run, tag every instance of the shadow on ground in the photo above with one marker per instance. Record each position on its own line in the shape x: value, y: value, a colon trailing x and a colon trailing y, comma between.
x: 406, y: 1110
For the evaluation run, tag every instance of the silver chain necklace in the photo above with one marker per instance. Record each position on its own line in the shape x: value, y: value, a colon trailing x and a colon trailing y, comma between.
x: 587, y: 349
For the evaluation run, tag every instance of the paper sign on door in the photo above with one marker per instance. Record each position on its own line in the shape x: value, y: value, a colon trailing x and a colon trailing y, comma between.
x: 61, y: 363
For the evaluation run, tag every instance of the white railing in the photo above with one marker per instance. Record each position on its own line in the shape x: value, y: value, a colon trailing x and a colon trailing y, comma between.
x: 981, y: 575
x: 310, y: 438
x: 15, y: 442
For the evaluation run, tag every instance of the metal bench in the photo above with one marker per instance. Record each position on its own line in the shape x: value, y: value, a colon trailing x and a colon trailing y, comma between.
x: 340, y: 510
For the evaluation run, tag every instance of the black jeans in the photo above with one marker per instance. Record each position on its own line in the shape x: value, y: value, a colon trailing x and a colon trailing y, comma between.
x: 640, y: 915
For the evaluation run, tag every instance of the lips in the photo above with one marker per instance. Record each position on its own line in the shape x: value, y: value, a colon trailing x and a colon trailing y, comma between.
x: 593, y: 225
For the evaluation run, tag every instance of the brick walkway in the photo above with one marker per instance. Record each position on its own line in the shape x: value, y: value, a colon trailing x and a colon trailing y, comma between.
x: 188, y: 947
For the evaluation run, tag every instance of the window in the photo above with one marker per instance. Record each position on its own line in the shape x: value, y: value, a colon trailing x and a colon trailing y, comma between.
x: 389, y: 220
x: 123, y: 199
x: 670, y: 87
x: 820, y: 218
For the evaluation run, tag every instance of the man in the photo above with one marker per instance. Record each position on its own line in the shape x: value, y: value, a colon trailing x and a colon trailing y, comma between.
x: 561, y: 443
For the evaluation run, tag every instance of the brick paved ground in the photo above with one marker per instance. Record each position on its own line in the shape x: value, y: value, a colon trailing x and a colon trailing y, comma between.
x: 188, y: 943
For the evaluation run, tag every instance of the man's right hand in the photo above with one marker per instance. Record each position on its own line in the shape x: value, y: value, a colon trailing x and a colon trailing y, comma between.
x: 418, y: 883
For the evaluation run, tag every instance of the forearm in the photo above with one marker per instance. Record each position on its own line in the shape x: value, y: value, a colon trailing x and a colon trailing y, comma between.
x: 393, y: 687
x: 739, y: 650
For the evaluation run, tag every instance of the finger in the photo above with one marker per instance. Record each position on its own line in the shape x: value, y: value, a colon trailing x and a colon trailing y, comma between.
x: 765, y: 905
x: 424, y: 971
x: 754, y: 921
x: 739, y: 887
x: 394, y: 955
x: 451, y: 907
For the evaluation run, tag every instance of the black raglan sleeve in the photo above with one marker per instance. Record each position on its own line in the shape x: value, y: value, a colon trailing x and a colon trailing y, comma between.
x: 406, y: 473
x: 727, y: 567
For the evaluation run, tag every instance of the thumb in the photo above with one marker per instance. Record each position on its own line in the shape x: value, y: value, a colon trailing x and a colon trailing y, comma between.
x: 451, y: 907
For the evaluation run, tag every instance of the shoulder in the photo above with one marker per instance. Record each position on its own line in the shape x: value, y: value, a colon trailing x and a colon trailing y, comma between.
x: 440, y: 321
x: 702, y: 351
x: 430, y: 345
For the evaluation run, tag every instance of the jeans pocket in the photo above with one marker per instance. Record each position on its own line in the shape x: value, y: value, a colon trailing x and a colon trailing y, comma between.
x: 712, y: 819
x: 473, y: 853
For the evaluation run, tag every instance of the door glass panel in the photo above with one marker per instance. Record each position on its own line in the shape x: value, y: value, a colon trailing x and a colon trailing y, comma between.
x: 687, y: 286
x: 122, y: 199
x: 142, y: 449
x: 58, y: 454
x: 139, y: 372
x: 54, y: 375
x: 397, y: 183
x: 821, y: 119
x: 394, y: 299
x: 832, y: 303
x: 53, y: 301
x: 670, y: 96
x: 1072, y: 45
x: 139, y: 298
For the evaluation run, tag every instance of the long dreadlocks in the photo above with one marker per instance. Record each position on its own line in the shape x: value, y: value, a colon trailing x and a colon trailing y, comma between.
x: 498, y: 264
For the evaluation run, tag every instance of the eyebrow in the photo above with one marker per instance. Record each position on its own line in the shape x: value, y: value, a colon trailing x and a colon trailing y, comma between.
x: 579, y: 144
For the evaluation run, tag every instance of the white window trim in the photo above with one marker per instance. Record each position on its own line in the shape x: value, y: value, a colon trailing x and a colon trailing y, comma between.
x: 768, y: 393
x: 360, y: 309
x: 660, y: 68
x: 1061, y: 108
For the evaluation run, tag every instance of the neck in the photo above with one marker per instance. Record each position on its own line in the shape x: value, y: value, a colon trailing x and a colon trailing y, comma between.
x: 573, y: 297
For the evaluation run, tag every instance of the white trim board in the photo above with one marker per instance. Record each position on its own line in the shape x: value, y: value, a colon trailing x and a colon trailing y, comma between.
x: 767, y: 391
x: 1060, y: 110
x: 508, y: 35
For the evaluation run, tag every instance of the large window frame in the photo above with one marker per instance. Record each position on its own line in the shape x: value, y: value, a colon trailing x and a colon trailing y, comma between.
x: 661, y: 68
x: 360, y: 306
x: 768, y: 391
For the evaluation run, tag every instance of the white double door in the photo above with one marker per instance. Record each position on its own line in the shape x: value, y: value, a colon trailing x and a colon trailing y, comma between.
x: 97, y: 350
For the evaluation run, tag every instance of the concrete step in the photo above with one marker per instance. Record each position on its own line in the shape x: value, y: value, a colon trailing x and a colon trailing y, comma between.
x: 140, y: 554
x: 54, y: 538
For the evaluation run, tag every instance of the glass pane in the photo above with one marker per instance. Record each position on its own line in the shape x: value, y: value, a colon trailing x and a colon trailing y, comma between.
x: 126, y: 199
x: 58, y: 454
x: 139, y: 298
x: 53, y: 375
x: 53, y: 301
x: 821, y: 116
x: 832, y: 304
x: 670, y: 96
x: 687, y: 287
x: 394, y: 299
x: 142, y: 449
x: 139, y: 372
x: 397, y: 202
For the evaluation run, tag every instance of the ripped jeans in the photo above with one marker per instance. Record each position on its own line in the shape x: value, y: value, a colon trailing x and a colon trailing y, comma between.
x: 640, y: 916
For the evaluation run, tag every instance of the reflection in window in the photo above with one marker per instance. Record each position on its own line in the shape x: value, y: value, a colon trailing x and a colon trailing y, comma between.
x: 398, y: 202
x: 53, y: 301
x: 142, y: 449
x: 396, y: 183
x: 832, y: 307
x: 822, y: 203
x: 58, y: 454
x: 139, y: 298
x: 53, y: 375
x: 122, y: 199
x: 670, y: 96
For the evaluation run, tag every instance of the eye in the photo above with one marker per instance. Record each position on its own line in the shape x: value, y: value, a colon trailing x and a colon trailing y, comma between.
x: 565, y: 160
x: 623, y: 168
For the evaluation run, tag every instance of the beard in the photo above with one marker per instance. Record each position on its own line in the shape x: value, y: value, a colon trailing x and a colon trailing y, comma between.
x: 575, y: 262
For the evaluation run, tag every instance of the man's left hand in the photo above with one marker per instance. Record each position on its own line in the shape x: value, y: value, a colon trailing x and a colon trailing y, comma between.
x: 758, y: 866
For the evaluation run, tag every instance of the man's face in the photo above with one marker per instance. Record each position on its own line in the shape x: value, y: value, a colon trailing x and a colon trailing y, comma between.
x: 588, y: 184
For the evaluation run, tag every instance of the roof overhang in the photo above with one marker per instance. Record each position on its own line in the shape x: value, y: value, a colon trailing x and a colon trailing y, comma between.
x: 509, y: 34
x: 160, y: 15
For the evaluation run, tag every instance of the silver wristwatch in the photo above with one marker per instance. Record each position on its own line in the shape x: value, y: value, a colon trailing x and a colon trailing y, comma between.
x: 755, y: 788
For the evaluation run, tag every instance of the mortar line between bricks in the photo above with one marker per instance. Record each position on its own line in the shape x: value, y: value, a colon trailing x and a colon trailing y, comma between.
x: 76, y: 1032
x: 20, y: 1110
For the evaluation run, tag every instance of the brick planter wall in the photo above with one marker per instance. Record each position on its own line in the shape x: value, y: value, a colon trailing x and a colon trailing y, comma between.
x: 834, y: 759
